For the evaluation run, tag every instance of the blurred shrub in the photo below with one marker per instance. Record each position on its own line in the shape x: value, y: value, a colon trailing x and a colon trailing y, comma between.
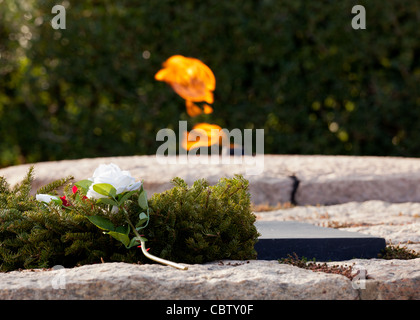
x: 294, y: 68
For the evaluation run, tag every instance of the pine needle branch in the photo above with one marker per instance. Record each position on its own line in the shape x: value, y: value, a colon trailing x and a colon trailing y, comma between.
x: 52, y: 187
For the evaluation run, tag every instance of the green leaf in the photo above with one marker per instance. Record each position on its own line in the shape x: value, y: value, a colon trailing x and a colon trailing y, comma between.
x: 84, y: 185
x: 107, y: 201
x: 143, y: 200
x: 58, y: 202
x: 105, y: 189
x: 143, y: 216
x: 122, y: 229
x: 133, y: 242
x: 142, y: 219
x: 126, y: 196
x: 120, y: 237
x: 102, y: 223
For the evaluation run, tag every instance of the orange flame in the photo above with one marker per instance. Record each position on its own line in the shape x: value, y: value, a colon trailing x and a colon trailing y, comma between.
x: 192, y: 80
x: 202, y: 137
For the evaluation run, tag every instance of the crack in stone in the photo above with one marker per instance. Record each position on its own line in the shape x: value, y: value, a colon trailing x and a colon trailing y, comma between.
x: 296, y: 182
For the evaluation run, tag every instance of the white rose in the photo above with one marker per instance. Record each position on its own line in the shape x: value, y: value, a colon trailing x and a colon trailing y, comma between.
x: 46, y: 197
x: 122, y: 181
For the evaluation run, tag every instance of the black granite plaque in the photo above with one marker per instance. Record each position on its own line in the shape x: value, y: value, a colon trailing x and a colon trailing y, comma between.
x: 280, y: 238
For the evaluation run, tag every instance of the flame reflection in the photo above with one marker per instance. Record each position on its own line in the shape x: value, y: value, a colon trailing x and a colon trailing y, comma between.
x: 202, y: 135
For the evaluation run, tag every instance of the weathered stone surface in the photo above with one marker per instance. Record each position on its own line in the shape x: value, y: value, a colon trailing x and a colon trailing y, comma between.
x: 226, y: 280
x: 346, y: 181
x: 233, y: 280
x: 388, y: 279
x: 322, y: 179
x: 267, y: 187
x: 398, y: 223
x: 341, y: 179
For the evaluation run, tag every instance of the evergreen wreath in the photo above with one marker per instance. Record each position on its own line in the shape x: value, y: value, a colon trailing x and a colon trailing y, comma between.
x: 186, y: 224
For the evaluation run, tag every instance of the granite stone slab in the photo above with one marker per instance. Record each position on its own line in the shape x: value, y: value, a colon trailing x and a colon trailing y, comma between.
x: 300, y: 179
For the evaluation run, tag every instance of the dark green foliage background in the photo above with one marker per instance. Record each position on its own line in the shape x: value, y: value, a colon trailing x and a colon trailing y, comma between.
x: 294, y: 68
